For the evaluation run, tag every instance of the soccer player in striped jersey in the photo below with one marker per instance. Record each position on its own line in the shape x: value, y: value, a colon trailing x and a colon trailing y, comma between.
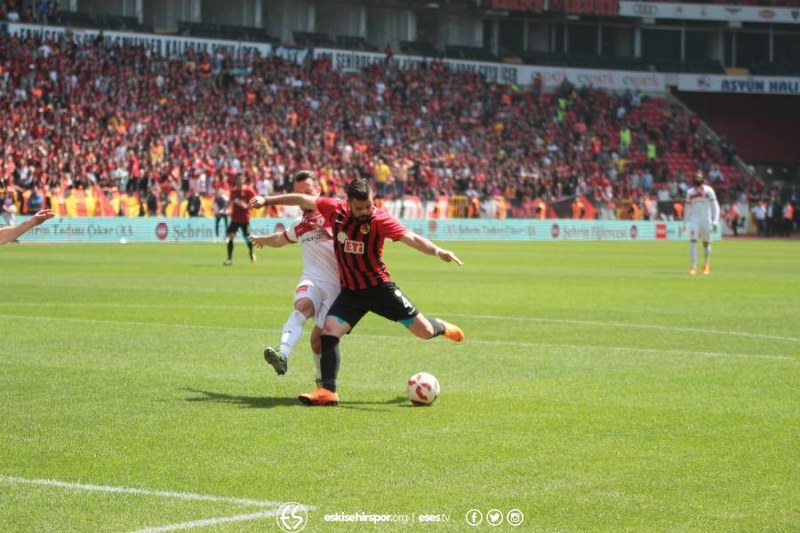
x: 319, y: 281
x: 240, y: 218
x: 359, y: 231
x: 701, y: 214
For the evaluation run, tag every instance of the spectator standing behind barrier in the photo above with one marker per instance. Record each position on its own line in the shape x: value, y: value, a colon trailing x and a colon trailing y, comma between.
x: 774, y: 212
x: 194, y: 205
x: 35, y: 200
x: 788, y: 219
x: 221, y: 209
x: 11, y: 233
x: 9, y: 208
x: 733, y: 219
x: 381, y: 173
x: 759, y: 211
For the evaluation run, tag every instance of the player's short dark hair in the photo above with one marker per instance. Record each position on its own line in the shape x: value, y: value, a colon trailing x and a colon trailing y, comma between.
x: 304, y: 175
x: 358, y: 189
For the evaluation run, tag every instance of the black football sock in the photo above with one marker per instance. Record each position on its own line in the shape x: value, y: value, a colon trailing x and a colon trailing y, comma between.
x: 329, y: 362
x: 438, y: 327
x: 230, y: 250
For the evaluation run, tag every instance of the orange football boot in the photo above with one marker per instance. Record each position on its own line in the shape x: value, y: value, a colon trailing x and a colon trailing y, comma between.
x: 321, y: 396
x: 452, y: 332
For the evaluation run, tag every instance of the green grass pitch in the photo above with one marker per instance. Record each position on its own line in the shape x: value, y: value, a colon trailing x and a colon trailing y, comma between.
x: 600, y: 388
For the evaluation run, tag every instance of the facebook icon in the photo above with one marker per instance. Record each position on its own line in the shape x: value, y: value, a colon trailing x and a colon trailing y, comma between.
x: 474, y: 517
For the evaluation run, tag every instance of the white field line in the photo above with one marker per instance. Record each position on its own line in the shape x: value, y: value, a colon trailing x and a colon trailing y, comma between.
x: 206, y: 522
x: 269, y: 508
x: 141, y: 492
x: 680, y: 329
x: 633, y: 350
x: 126, y: 305
x: 471, y: 340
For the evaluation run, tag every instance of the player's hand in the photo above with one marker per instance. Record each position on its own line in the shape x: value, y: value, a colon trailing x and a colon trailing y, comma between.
x: 713, y: 227
x: 258, y: 240
x: 448, y: 256
x: 41, y: 216
x: 257, y: 202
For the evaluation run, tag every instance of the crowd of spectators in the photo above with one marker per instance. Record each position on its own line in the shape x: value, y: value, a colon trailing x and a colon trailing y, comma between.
x: 132, y: 122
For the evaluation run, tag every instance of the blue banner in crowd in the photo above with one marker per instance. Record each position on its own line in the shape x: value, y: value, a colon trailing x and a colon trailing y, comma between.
x: 125, y: 230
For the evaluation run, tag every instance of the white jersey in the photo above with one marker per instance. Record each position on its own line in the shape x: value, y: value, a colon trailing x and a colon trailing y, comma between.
x: 701, y: 206
x: 319, y: 262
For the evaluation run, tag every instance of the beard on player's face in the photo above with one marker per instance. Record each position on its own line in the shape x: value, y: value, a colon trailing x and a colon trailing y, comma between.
x: 361, y: 210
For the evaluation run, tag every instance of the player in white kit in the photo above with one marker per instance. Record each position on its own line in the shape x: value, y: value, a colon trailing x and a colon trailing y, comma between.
x: 701, y: 214
x: 319, y: 281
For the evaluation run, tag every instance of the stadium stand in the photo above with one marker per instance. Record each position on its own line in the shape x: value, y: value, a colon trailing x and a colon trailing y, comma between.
x: 312, y: 39
x: 352, y: 42
x: 132, y: 132
x: 418, y: 48
x: 224, y: 31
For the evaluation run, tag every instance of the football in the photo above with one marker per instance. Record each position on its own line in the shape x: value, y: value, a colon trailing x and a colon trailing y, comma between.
x: 422, y: 388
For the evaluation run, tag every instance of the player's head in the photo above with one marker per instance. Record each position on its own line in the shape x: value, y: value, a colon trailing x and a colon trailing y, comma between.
x: 699, y: 178
x: 359, y: 198
x: 306, y: 182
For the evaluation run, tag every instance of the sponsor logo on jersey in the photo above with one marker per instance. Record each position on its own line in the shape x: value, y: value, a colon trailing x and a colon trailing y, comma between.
x: 353, y: 247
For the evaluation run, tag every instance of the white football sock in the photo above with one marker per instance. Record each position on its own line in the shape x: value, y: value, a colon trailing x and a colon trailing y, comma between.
x: 292, y: 331
x: 706, y: 252
x: 693, y: 253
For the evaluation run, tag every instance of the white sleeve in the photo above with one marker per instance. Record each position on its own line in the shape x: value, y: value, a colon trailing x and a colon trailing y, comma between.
x: 712, y: 197
x: 291, y: 233
x: 687, y: 206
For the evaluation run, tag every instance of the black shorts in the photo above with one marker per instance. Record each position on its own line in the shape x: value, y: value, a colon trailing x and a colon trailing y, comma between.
x: 233, y: 227
x: 386, y: 300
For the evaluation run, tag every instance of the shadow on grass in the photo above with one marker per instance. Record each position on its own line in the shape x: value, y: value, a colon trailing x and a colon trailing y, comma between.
x: 266, y: 402
x: 258, y: 402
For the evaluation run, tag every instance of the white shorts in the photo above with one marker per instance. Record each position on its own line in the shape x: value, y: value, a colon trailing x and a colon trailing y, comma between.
x: 699, y: 231
x: 320, y: 293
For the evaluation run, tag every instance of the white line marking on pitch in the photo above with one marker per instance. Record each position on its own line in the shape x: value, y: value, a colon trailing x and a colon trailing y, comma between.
x: 480, y: 317
x: 141, y: 492
x: 634, y: 350
x: 631, y: 325
x: 472, y: 340
x: 210, y: 522
x: 265, y: 513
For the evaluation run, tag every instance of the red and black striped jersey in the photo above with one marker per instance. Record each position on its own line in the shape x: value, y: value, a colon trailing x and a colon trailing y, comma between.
x: 359, y: 247
x: 240, y: 197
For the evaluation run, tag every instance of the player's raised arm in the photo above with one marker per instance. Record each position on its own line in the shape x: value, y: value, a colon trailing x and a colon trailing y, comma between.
x: 427, y: 247
x: 273, y: 240
x: 304, y: 201
x: 10, y: 233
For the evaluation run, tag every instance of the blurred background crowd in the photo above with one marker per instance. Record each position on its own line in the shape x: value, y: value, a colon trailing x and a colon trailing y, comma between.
x: 149, y: 131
